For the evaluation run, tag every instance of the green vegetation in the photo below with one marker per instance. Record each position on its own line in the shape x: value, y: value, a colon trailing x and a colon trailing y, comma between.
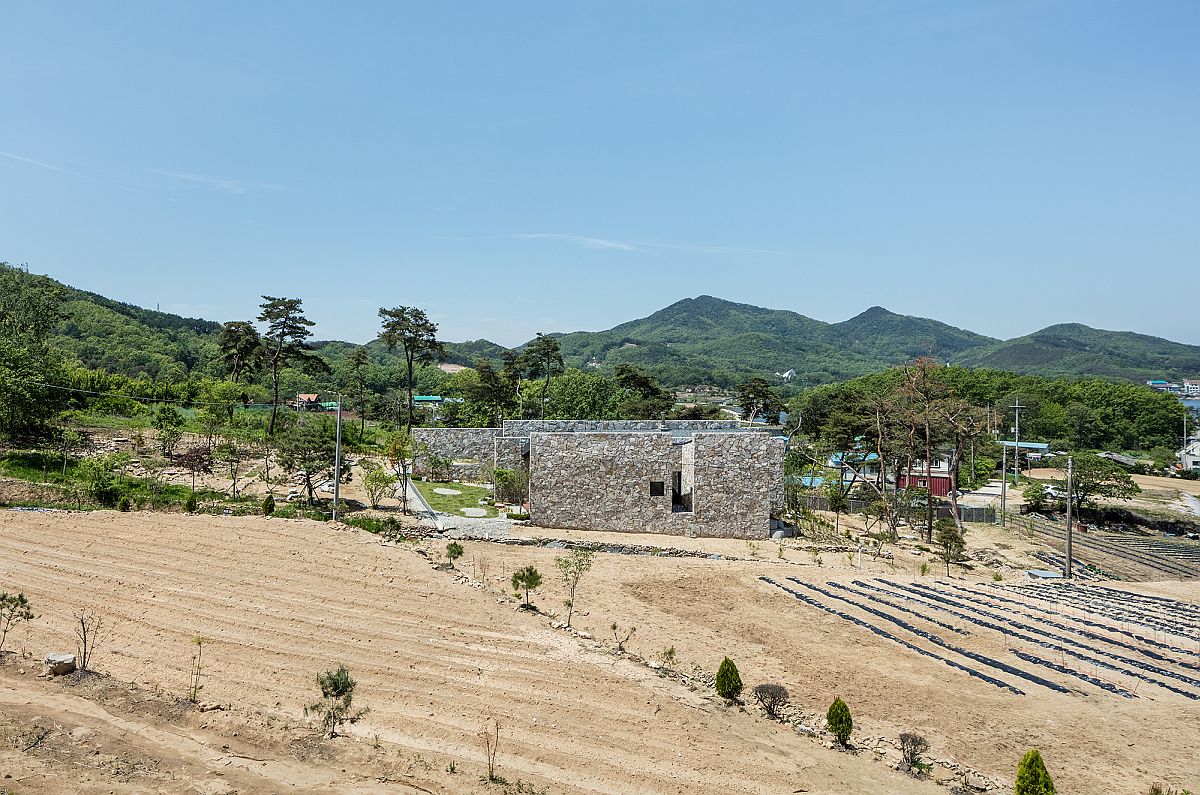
x: 1032, y: 776
x: 336, y: 706
x: 14, y: 608
x: 454, y: 551
x: 840, y: 723
x: 572, y: 567
x: 728, y: 682
x: 526, y: 580
x: 454, y: 503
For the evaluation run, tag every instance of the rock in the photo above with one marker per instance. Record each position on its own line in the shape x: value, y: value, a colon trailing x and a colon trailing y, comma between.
x: 58, y: 664
x: 654, y: 666
x: 585, y: 635
x: 209, y: 706
x: 976, y: 782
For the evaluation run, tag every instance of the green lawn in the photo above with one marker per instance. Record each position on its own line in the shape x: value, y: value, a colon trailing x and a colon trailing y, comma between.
x: 452, y: 503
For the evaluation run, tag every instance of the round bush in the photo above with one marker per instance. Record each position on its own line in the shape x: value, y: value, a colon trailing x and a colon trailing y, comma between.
x: 189, y: 504
x: 268, y: 505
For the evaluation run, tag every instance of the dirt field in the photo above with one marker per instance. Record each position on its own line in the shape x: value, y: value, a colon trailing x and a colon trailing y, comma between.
x: 435, y: 658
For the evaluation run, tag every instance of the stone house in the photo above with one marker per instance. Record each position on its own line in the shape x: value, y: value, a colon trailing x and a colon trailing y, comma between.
x: 675, y: 477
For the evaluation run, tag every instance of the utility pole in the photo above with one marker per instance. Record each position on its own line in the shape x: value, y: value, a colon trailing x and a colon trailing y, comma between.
x: 1069, y: 567
x: 337, y: 461
x: 1004, y: 487
x: 1017, y: 449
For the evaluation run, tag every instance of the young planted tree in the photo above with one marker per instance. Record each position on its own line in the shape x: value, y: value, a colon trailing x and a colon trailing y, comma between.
x: 912, y: 746
x: 545, y: 360
x: 454, y: 551
x: 526, y: 580
x: 728, y: 682
x: 194, y: 686
x: 410, y: 329
x: 284, y: 343
x: 90, y: 631
x: 310, y: 449
x: 336, y: 706
x: 839, y: 720
x: 572, y: 567
x: 241, y: 348
x: 378, y: 483
x: 1032, y: 776
x: 168, y: 422
x: 196, y: 460
x: 230, y: 456
x: 400, y: 452
x: 14, y: 608
x: 950, y: 541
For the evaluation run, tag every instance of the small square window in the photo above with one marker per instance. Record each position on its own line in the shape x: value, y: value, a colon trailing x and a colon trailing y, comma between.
x: 658, y: 488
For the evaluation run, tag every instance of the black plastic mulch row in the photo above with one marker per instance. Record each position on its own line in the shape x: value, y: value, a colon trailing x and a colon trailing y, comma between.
x: 885, y: 634
x: 1026, y: 608
x: 1162, y: 602
x: 902, y: 608
x: 1104, y: 606
x: 1144, y: 668
x: 1009, y: 669
x: 1100, y: 683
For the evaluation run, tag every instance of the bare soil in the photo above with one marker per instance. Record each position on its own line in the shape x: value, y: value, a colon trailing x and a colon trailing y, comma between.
x: 436, y: 657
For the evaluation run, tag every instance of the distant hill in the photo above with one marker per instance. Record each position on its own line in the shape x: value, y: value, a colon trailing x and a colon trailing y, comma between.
x: 1075, y: 349
x: 709, y: 339
x: 695, y: 340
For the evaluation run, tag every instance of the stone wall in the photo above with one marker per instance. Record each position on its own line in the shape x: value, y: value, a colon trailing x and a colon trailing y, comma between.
x: 511, y: 452
x: 472, y: 443
x: 526, y: 427
x: 602, y: 481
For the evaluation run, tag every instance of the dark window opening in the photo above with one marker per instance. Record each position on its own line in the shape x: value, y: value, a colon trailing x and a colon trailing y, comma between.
x: 658, y: 488
x: 677, y: 488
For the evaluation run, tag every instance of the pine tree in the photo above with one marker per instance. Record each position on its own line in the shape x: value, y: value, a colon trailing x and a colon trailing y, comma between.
x: 729, y: 681
x: 1032, y: 776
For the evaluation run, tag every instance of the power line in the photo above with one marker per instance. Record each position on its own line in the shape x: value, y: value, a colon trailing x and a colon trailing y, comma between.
x: 59, y: 387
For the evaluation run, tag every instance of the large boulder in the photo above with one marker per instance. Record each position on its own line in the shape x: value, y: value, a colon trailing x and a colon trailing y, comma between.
x: 58, y: 664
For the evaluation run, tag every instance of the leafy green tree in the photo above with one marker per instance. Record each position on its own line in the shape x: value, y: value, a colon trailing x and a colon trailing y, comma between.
x: 950, y: 541
x: 512, y: 485
x: 229, y: 455
x: 241, y: 349
x: 1032, y: 776
x: 410, y: 329
x: 728, y: 681
x: 490, y: 393
x: 1095, y: 477
x: 400, y: 451
x: 545, y: 360
x: 841, y: 724
x: 169, y: 424
x: 30, y: 308
x: 526, y: 580
x: 14, y: 608
x: 756, y: 397
x: 835, y: 497
x: 336, y: 706
x: 576, y: 395
x: 284, y: 343
x: 454, y: 551
x: 572, y: 567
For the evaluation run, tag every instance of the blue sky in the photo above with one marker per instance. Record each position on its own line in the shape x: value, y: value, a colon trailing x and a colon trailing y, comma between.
x: 554, y: 166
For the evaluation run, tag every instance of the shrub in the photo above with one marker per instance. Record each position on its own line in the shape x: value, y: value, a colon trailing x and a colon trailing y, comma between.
x: 911, y: 748
x: 771, y: 697
x: 439, y: 468
x: 512, y: 485
x: 454, y: 551
x: 124, y: 504
x: 728, y: 681
x: 336, y: 704
x: 1032, y: 776
x: 841, y: 724
x: 189, y: 504
x: 518, y: 517
x: 268, y: 505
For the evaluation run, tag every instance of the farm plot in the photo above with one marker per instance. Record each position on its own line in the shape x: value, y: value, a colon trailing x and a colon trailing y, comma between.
x: 1139, y: 557
x: 1061, y: 638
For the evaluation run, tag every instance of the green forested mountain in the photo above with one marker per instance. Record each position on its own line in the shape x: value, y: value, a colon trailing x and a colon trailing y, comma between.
x: 696, y: 340
x: 1074, y: 349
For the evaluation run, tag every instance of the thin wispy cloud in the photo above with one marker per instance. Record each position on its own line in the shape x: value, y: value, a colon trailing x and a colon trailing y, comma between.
x: 586, y: 242
x: 234, y: 186
x: 40, y: 164
x: 702, y: 248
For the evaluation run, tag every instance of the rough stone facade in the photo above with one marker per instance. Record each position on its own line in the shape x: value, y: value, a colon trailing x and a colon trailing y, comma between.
x: 710, y: 478
x: 625, y: 482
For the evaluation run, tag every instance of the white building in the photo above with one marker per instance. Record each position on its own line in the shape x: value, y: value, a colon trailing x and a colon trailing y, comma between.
x: 1189, y: 456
